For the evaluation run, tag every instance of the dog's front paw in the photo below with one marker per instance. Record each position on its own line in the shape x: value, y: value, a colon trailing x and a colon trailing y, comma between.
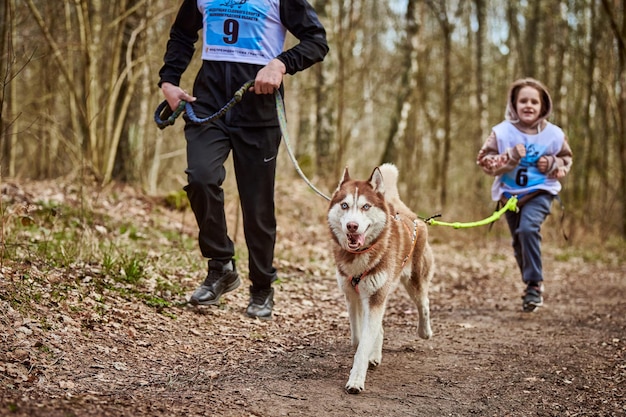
x: 425, y: 332
x: 354, y: 388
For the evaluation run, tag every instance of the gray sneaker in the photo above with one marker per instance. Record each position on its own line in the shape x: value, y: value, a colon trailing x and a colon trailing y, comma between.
x: 216, y: 283
x: 261, y: 304
x: 532, y: 297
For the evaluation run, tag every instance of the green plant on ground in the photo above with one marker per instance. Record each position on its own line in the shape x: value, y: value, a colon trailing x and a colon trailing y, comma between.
x: 92, y: 254
x: 177, y: 200
x: 132, y: 269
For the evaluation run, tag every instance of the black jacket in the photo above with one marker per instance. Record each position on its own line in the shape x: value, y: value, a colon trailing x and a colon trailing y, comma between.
x: 217, y: 81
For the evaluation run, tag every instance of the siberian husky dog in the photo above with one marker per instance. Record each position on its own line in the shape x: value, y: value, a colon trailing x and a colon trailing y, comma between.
x: 379, y: 243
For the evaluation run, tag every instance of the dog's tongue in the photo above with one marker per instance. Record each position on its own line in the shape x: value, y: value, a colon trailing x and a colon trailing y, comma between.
x: 356, y: 240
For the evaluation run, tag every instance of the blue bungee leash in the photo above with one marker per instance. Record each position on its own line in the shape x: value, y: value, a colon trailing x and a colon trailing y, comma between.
x: 164, y: 116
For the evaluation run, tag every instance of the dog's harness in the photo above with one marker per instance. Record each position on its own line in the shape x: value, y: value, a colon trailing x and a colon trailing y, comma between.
x: 356, y: 279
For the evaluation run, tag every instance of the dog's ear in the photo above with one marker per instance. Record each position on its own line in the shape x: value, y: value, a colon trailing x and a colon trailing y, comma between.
x: 376, y: 181
x: 346, y: 177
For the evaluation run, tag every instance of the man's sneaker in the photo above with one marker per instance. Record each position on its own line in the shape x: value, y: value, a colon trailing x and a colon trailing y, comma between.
x: 215, y: 284
x: 532, y: 297
x: 261, y: 304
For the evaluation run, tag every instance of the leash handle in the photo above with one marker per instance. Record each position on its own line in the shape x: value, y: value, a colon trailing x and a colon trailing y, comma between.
x: 164, y: 116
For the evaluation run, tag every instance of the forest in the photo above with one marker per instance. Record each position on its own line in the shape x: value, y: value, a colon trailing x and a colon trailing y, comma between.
x: 415, y: 82
x: 99, y: 252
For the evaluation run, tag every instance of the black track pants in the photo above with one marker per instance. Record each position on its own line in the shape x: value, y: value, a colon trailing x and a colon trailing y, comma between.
x: 254, y: 159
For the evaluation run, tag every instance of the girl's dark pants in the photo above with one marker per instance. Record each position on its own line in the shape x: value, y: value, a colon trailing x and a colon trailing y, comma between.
x: 525, y: 227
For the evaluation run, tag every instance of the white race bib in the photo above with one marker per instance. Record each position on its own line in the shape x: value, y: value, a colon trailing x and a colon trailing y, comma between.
x: 247, y: 31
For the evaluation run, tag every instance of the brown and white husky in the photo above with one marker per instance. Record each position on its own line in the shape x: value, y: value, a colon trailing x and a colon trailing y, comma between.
x: 379, y: 243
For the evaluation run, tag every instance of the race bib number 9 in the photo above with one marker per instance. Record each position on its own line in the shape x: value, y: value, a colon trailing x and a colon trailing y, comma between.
x: 242, y: 30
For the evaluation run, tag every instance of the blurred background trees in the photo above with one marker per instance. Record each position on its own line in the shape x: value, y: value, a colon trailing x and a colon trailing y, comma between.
x: 415, y: 82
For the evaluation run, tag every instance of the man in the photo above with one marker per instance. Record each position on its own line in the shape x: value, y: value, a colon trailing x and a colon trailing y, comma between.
x: 241, y: 40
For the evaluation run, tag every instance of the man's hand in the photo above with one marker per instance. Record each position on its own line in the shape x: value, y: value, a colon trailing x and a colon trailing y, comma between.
x: 174, y: 94
x: 269, y: 78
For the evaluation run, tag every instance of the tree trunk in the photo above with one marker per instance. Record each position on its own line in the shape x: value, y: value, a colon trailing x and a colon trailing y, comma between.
x: 530, y: 44
x: 514, y: 40
x: 439, y: 8
x: 481, y: 98
x: 588, y: 148
x: 399, y: 119
x: 323, y: 109
x: 620, y: 36
x: 8, y: 136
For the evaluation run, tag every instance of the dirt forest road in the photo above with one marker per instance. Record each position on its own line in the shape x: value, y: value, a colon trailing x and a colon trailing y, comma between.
x: 486, y: 358
x: 106, y: 354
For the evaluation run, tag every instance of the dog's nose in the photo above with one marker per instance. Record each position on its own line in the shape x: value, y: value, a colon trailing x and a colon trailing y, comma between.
x: 352, y: 227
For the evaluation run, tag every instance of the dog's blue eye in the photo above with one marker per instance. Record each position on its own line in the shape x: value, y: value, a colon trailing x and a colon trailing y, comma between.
x: 366, y: 207
x: 344, y: 206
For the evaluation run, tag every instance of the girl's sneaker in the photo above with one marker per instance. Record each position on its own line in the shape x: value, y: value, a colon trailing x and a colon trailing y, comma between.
x: 532, y: 297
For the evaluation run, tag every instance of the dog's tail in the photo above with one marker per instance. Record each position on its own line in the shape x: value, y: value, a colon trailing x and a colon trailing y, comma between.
x: 390, y: 178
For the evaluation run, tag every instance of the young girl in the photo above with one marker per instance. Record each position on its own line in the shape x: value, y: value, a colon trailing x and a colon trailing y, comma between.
x: 527, y: 155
